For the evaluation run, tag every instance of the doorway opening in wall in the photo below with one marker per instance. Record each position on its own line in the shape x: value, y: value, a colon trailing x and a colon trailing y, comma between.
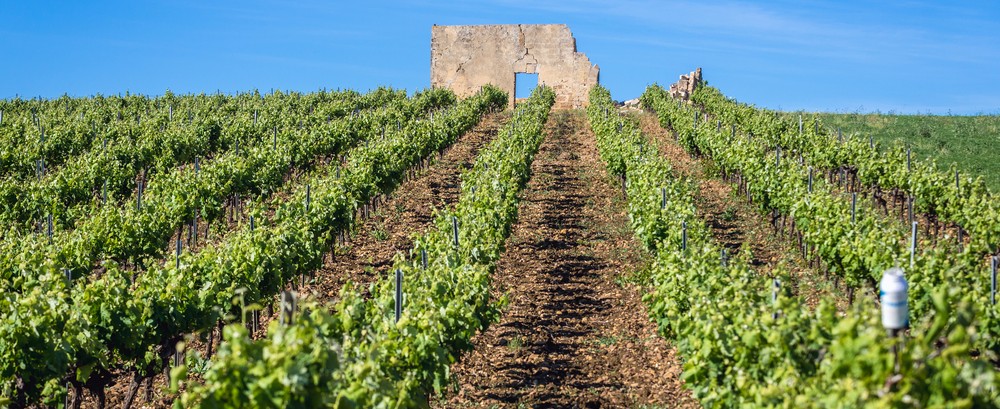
x: 524, y: 84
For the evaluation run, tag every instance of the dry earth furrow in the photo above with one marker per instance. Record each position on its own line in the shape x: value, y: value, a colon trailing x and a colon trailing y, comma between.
x: 574, y: 333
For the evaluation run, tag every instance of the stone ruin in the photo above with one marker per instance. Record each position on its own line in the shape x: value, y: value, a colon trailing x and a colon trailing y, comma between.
x: 464, y: 58
x: 683, y: 88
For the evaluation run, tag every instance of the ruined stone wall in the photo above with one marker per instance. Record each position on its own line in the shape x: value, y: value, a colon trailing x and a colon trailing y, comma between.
x: 684, y: 87
x: 464, y: 58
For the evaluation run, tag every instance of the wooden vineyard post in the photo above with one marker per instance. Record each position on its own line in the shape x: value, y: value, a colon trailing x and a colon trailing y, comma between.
x: 663, y: 200
x: 454, y: 228
x: 423, y: 258
x: 800, y: 124
x: 810, y: 179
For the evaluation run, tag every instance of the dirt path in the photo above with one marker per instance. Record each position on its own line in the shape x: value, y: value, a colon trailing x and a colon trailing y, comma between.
x: 736, y: 223
x: 368, y: 255
x: 574, y: 333
x: 410, y: 210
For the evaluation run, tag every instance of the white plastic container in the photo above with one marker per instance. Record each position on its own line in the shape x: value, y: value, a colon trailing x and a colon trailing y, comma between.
x: 892, y: 294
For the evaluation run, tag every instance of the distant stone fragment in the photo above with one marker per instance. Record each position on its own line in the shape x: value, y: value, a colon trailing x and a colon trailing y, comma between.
x: 464, y: 58
x: 683, y: 88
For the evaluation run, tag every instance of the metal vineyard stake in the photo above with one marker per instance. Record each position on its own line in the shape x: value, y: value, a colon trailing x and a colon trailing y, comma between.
x: 178, y: 255
x: 684, y: 235
x: 909, y: 208
x: 399, y: 293
x: 913, y: 243
x: 287, y: 309
x: 775, y: 288
x: 854, y: 204
x: 993, y: 279
x: 454, y: 228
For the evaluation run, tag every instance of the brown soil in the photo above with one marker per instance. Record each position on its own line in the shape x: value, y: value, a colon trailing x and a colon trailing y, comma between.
x: 410, y: 210
x: 735, y: 223
x: 574, y: 334
x: 369, y: 252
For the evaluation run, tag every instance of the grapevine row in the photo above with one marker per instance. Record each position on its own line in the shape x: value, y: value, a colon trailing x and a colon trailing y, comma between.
x: 853, y: 244
x: 45, y: 133
x: 143, y: 229
x: 358, y: 355
x: 749, y: 343
x: 110, y: 170
x: 941, y: 195
x: 111, y: 321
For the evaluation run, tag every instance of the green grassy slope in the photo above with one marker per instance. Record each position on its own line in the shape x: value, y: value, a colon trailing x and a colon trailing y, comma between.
x: 973, y: 142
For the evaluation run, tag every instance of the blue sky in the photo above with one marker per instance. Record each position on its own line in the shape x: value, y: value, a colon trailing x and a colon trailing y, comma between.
x: 903, y: 56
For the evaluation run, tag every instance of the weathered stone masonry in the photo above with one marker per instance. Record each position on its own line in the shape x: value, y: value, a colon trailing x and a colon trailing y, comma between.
x: 464, y: 58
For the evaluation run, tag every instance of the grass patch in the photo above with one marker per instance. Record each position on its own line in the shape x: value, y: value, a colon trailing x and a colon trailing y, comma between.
x: 379, y: 233
x: 968, y: 141
x: 515, y: 343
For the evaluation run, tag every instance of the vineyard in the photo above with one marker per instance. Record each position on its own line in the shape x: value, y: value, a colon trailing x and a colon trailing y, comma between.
x: 340, y: 249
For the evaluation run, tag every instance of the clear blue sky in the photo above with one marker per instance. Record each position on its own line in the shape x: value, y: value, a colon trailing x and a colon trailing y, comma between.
x: 903, y: 56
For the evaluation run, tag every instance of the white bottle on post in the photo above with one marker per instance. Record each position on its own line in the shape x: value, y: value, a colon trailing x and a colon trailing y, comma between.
x: 892, y: 294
